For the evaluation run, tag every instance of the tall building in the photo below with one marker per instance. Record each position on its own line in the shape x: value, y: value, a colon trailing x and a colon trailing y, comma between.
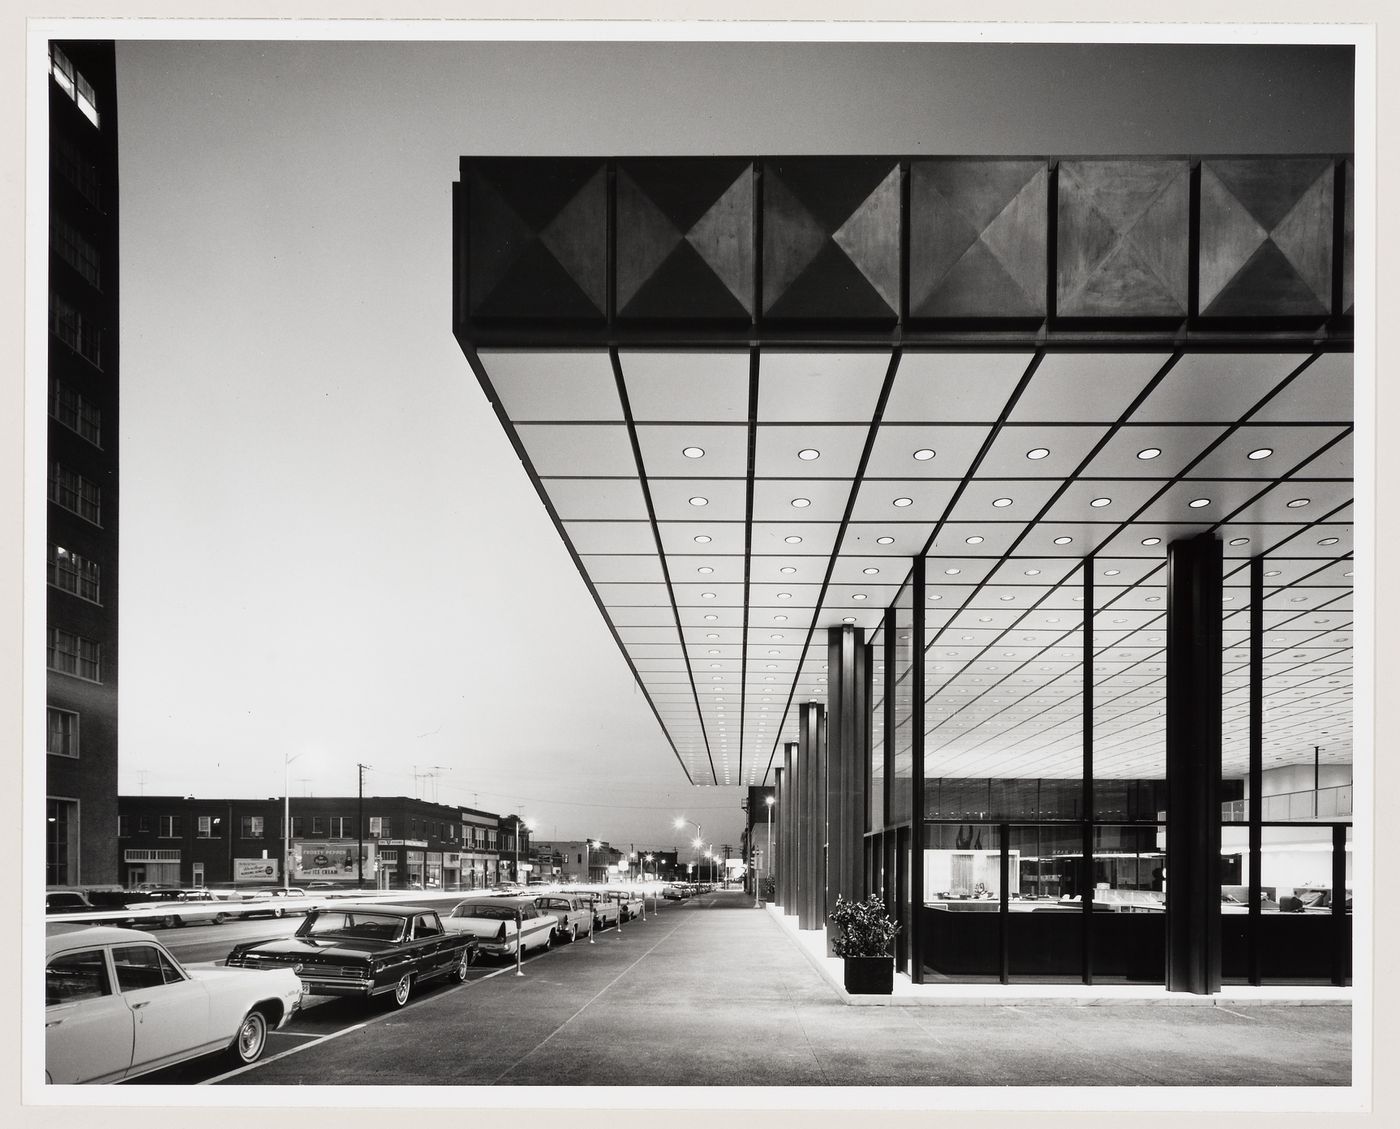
x: 81, y: 776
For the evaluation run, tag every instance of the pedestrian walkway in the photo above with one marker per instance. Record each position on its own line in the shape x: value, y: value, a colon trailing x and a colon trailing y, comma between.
x: 716, y: 993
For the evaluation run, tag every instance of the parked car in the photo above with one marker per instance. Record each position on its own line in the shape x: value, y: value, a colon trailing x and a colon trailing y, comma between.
x: 270, y: 901
x: 364, y: 950
x: 493, y: 922
x: 171, y: 908
x: 574, y: 914
x: 118, y: 1005
x: 674, y: 892
x: 67, y: 901
x: 510, y: 889
x: 629, y: 900
x: 606, y: 911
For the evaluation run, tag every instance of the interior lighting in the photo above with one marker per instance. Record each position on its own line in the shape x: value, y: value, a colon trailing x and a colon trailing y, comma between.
x: 1197, y: 503
x: 951, y: 571
x: 693, y: 452
x: 780, y: 619
x: 801, y: 503
x: 847, y: 619
x: 903, y: 502
x: 712, y: 617
x: 1001, y: 503
x: 702, y: 539
x: 1037, y: 452
x: 775, y: 636
x: 793, y: 540
x: 858, y: 596
x: 1298, y: 502
x: 924, y: 454
x: 785, y: 595
x: 712, y: 636
x: 1032, y: 572
x: 974, y: 540
x: 807, y: 454
x: 1149, y: 452
x: 1328, y: 541
x: 1006, y: 597
x: 699, y: 501
x: 1151, y: 540
x: 704, y: 570
x: 935, y: 596
x: 1261, y: 453
x: 1239, y: 540
x: 870, y: 571
x: 1099, y: 503
x: 1111, y: 572
x: 884, y: 540
x: 1063, y: 540
x: 707, y: 595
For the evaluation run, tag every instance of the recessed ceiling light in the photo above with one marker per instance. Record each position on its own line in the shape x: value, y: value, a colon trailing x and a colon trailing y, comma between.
x: 1001, y: 503
x: 1261, y: 453
x: 1149, y: 452
x: 693, y: 452
x: 712, y: 636
x: 1298, y: 502
x: 1197, y: 503
x: 1273, y: 572
x: 858, y: 596
x: 1239, y: 540
x: 712, y: 617
x: 1099, y: 503
x: 807, y: 454
x: 870, y: 571
x: 702, y: 540
x: 1110, y: 572
x: 1032, y: 572
x: 1328, y: 541
x: 1346, y: 574
x: 780, y: 619
x: 1063, y: 540
x: 1152, y: 599
x: 935, y: 596
x: 699, y: 501
x: 801, y: 503
x: 712, y: 652
x: 787, y: 570
x: 775, y: 636
x: 1037, y: 452
x: 974, y: 540
x: 785, y: 595
x: 1151, y: 540
x: 924, y: 454
x: 1006, y: 597
x: 903, y: 501
x: 707, y: 595
x: 884, y: 540
x: 705, y: 570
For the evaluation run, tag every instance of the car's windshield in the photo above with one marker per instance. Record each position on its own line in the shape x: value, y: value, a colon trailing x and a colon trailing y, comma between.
x: 375, y: 926
x: 477, y: 909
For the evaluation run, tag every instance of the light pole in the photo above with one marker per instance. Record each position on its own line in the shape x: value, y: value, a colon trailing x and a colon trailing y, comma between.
x: 768, y: 858
x: 588, y: 845
x: 286, y: 822
x: 519, y: 823
x: 699, y: 835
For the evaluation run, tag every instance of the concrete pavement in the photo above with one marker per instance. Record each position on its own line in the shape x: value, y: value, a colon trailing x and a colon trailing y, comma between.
x: 715, y: 992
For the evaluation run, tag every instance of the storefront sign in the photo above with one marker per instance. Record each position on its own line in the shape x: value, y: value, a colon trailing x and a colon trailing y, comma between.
x: 255, y: 870
x: 329, y: 860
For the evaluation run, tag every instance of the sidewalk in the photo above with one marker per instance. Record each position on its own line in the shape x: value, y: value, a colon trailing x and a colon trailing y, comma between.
x: 716, y: 993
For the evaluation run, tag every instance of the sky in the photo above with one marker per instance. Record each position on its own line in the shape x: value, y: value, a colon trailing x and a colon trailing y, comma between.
x: 329, y: 551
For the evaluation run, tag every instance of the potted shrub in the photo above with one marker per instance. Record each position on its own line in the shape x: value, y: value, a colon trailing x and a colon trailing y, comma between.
x: 864, y: 933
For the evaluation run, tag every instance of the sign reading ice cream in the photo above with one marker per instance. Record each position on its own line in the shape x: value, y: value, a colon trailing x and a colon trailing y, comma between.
x: 330, y: 861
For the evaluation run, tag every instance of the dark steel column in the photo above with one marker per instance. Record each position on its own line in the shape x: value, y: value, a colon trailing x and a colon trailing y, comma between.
x: 915, y: 918
x: 787, y: 875
x: 773, y: 865
x: 811, y: 834
x: 847, y: 763
x: 1256, y: 767
x: 1341, y: 927
x: 1086, y: 863
x: 891, y: 661
x: 1194, y: 584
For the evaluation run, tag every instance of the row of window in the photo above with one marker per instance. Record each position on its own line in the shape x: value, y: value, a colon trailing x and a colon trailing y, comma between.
x: 73, y: 654
x: 77, y: 170
x: 74, y: 249
x: 72, y: 83
x: 255, y: 826
x: 76, y: 494
x: 73, y: 573
x: 76, y: 412
x: 81, y: 334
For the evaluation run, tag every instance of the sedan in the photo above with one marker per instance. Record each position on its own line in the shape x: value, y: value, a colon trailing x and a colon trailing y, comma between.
x: 500, y: 925
x: 118, y: 1005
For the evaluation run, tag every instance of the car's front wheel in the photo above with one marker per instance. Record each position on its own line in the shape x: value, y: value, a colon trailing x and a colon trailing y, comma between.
x: 279, y: 912
x: 251, y: 1039
x: 402, y: 989
x: 464, y: 962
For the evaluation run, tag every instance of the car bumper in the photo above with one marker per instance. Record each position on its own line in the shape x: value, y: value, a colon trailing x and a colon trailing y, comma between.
x: 317, y: 986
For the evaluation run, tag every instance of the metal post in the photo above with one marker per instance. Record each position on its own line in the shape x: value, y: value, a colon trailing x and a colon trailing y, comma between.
x: 918, y: 582
x: 1255, y: 909
x: 1341, y: 935
x: 519, y: 940
x: 1086, y: 862
x: 592, y: 916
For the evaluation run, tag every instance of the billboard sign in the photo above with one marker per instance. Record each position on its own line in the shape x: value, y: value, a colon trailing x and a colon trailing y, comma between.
x: 329, y: 860
x: 255, y: 870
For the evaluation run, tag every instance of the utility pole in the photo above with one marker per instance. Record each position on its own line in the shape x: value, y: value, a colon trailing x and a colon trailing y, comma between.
x: 360, y: 830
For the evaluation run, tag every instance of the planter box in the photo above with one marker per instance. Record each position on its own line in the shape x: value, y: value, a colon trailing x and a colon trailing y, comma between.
x: 869, y: 976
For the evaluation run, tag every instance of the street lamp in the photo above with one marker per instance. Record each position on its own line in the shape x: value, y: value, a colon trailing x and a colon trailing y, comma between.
x: 768, y: 858
x: 699, y: 834
x: 528, y: 827
x: 286, y: 822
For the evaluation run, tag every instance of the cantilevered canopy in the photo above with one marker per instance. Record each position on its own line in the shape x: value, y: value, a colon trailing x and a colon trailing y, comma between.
x: 735, y: 476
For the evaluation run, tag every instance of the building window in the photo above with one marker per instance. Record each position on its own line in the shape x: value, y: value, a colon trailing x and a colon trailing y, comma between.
x: 71, y: 81
x: 143, y: 825
x: 61, y: 841
x: 298, y: 826
x: 169, y: 827
x: 79, y: 333
x: 339, y: 826
x: 376, y: 826
x: 75, y: 493
x: 77, y: 170
x: 75, y: 412
x: 204, y: 828
x: 318, y: 825
x: 123, y: 827
x: 250, y: 827
x: 72, y: 654
x: 75, y: 574
x: 63, y: 733
x: 75, y: 250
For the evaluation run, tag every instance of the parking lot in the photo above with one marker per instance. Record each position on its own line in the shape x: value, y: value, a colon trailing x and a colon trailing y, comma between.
x: 711, y: 992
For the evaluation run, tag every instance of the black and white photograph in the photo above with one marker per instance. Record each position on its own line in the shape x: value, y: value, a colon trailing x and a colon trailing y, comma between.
x: 699, y: 566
